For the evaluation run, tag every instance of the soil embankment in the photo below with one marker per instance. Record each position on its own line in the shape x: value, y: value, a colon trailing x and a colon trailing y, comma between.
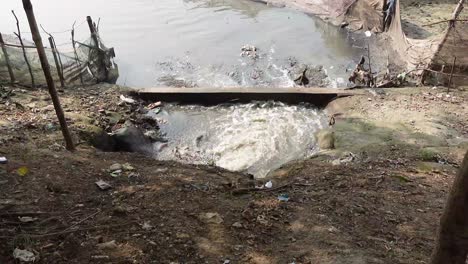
x: 376, y: 198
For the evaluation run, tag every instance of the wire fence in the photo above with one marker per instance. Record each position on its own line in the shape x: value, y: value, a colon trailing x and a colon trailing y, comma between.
x: 88, y: 61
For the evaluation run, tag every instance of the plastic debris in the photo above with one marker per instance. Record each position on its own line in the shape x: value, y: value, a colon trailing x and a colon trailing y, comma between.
x: 27, y: 219
x: 269, y: 184
x: 127, y: 167
x: 24, y: 255
x: 127, y: 100
x: 116, y: 173
x: 283, y: 197
x: 3, y: 160
x: 368, y: 34
x: 227, y: 261
x: 154, y: 105
x: 115, y: 167
x: 22, y: 171
x: 103, y: 185
x: 107, y: 245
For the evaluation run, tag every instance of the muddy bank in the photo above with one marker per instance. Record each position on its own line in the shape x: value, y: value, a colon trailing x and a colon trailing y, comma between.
x: 376, y: 198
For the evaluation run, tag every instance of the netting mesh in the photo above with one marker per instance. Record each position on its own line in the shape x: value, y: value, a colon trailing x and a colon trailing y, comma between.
x: 90, y: 64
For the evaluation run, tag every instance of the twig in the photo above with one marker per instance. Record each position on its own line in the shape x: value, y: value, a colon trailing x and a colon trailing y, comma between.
x: 24, y: 50
x: 23, y: 213
x: 71, y: 231
x: 74, y: 49
x: 443, y: 21
x: 82, y: 220
x: 451, y: 73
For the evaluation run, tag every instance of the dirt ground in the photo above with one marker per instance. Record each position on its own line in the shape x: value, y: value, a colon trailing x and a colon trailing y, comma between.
x: 417, y: 14
x: 379, y: 204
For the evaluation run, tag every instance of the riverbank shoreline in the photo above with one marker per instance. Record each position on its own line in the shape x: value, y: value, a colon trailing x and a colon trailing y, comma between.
x: 375, y: 198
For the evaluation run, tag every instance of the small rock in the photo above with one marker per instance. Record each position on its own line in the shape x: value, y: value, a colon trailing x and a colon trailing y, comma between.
x: 237, y: 225
x: 147, y: 226
x: 326, y: 139
x: 127, y: 167
x: 211, y: 218
x: 24, y: 255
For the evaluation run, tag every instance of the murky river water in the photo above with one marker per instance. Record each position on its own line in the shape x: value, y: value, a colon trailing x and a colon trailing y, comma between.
x: 198, y: 42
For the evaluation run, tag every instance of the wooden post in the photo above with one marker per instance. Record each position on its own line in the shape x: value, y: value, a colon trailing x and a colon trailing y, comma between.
x: 33, y: 83
x: 94, y: 36
x: 7, y: 59
x: 452, y: 242
x: 57, y: 63
x: 46, y: 68
x: 451, y: 73
x: 76, y: 54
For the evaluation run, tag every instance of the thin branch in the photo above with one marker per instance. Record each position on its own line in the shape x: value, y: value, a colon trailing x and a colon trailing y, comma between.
x: 443, y: 21
x: 24, y: 50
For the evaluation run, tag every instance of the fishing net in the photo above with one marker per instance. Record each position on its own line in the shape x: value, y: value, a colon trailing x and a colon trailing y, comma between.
x: 90, y: 63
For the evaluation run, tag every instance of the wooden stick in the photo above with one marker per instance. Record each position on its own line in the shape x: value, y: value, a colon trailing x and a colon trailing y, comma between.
x: 56, y: 54
x: 7, y: 60
x: 451, y: 73
x: 74, y: 49
x: 443, y: 21
x: 94, y: 36
x: 33, y: 84
x: 57, y: 63
x: 19, y: 46
x: 46, y: 68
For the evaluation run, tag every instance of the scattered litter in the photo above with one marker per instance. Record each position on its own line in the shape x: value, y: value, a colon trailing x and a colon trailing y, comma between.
x: 283, y: 197
x: 116, y: 173
x: 127, y: 100
x: 27, y: 219
x: 103, y: 185
x: 368, y: 34
x: 115, y: 167
x: 3, y: 160
x: 227, y: 261
x: 128, y: 167
x: 24, y: 255
x: 269, y: 184
x: 133, y: 175
x: 154, y: 105
x: 211, y: 218
x: 22, y: 171
x: 147, y: 226
x: 107, y: 245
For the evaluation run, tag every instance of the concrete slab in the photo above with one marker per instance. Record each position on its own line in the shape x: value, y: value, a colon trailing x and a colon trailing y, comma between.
x: 210, y: 96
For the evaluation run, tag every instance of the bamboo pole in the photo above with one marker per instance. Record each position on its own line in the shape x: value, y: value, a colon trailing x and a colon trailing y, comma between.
x: 94, y: 36
x: 57, y: 63
x: 33, y: 83
x: 46, y: 68
x: 76, y: 54
x: 451, y: 73
x: 7, y: 60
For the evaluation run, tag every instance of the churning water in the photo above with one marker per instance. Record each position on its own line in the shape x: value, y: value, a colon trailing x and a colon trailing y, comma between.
x: 255, y: 138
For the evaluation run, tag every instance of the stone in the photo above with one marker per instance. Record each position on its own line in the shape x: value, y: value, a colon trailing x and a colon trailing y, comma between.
x: 115, y: 167
x: 132, y: 139
x: 211, y: 218
x: 326, y: 139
